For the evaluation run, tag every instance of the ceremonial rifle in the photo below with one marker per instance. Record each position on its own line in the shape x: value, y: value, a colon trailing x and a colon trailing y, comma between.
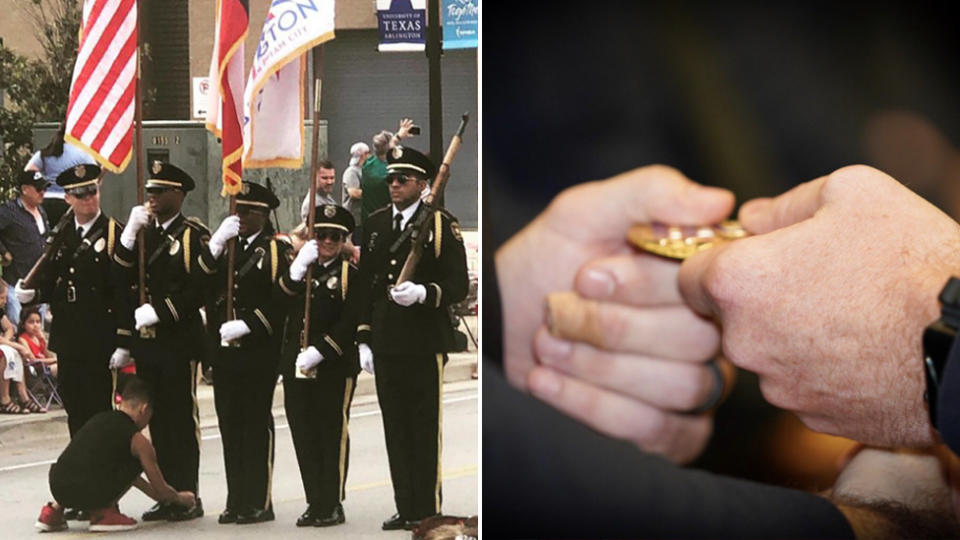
x: 433, y: 201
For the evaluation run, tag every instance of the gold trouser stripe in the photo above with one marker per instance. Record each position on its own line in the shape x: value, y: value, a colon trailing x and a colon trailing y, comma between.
x: 196, y: 405
x: 436, y: 491
x: 111, y: 236
x: 186, y: 249
x: 273, y: 261
x: 113, y: 389
x: 344, y: 436
x: 344, y: 275
x: 266, y: 502
x: 437, y: 234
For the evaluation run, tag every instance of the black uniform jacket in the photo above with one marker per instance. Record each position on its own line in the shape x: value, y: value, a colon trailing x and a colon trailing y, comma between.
x: 420, y: 328
x: 333, y: 320
x: 76, y: 283
x: 173, y: 278
x: 256, y: 270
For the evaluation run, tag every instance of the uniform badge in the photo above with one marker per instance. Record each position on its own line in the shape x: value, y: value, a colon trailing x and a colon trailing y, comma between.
x: 373, y: 240
x: 329, y: 210
x: 260, y: 262
x: 80, y: 171
x: 174, y: 247
x: 455, y: 229
x: 38, y: 175
x: 430, y: 237
x: 156, y: 167
x: 398, y: 152
x: 332, y: 283
x: 99, y: 245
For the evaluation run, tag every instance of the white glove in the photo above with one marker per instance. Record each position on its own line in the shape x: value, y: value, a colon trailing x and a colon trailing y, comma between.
x: 408, y: 293
x: 145, y: 315
x: 308, y: 358
x: 139, y: 217
x: 308, y: 253
x: 366, y: 358
x: 24, y: 296
x: 120, y: 358
x: 232, y: 330
x: 229, y: 228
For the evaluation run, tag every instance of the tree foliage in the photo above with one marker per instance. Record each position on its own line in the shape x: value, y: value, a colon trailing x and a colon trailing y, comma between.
x: 36, y: 89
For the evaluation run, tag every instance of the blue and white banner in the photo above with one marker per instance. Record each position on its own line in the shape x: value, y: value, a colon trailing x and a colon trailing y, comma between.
x: 402, y: 24
x: 460, y: 23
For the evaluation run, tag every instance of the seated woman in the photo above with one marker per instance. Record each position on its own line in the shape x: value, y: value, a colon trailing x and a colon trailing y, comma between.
x: 14, y: 354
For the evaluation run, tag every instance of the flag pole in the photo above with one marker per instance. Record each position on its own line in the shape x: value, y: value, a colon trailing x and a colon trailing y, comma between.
x: 231, y: 258
x: 314, y: 157
x: 146, y: 332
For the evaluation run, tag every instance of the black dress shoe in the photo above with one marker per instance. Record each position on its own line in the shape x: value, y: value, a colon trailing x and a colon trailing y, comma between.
x: 70, y: 514
x: 335, y: 517
x: 227, y: 516
x: 82, y: 515
x: 396, y: 523
x: 179, y: 513
x: 157, y: 512
x: 255, y: 516
x: 307, y: 518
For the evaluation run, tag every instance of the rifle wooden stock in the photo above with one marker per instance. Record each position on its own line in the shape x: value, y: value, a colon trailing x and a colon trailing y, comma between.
x: 53, y: 243
x: 433, y: 201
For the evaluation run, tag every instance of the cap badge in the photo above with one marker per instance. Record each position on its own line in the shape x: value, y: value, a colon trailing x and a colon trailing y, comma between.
x: 38, y: 175
x: 80, y: 171
x: 329, y: 210
x: 156, y: 167
x: 398, y: 152
x: 245, y: 189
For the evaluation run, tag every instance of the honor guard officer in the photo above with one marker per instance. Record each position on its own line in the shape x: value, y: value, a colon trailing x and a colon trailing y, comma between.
x: 246, y: 350
x: 318, y: 406
x: 76, y: 283
x: 405, y: 331
x: 168, y: 353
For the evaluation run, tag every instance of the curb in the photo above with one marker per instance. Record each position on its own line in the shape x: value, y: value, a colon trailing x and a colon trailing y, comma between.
x: 30, y: 429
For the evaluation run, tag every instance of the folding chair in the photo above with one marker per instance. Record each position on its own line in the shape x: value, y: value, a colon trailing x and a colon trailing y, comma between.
x: 43, y: 386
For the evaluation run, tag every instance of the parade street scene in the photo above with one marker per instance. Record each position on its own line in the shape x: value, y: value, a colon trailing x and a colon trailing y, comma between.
x: 239, y: 254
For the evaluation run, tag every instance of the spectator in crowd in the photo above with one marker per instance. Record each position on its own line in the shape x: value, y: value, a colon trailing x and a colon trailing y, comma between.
x: 352, y: 193
x: 12, y: 357
x: 30, y: 335
x: 326, y: 177
x: 52, y: 160
x: 23, y: 224
x: 374, y: 170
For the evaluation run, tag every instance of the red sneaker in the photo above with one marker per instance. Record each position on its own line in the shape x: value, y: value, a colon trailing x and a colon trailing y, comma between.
x: 51, y: 519
x: 109, y: 520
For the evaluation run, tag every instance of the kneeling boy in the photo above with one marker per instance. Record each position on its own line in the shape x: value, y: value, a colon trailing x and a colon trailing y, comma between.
x: 102, y: 461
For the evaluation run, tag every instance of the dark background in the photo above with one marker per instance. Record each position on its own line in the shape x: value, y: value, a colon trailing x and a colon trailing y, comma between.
x: 752, y: 97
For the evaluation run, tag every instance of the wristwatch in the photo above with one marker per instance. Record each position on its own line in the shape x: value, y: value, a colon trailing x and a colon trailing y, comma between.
x: 939, y: 341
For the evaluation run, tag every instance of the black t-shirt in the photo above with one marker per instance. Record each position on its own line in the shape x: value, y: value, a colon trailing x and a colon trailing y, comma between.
x: 100, y: 452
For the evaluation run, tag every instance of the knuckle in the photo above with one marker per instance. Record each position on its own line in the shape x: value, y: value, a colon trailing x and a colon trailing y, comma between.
x: 720, y: 278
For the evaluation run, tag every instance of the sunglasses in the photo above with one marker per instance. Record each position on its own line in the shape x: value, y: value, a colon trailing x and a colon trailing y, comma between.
x: 84, y: 192
x: 333, y: 236
x: 399, y: 178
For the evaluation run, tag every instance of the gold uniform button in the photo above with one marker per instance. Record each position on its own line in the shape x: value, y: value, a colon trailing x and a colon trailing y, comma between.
x: 72, y: 270
x: 393, y: 261
x: 389, y: 276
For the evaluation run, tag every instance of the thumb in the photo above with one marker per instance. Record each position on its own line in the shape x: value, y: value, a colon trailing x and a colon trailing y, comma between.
x: 761, y: 216
x: 647, y: 194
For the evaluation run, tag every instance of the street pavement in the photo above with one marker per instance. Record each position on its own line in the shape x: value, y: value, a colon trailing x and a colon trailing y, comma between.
x: 25, y: 458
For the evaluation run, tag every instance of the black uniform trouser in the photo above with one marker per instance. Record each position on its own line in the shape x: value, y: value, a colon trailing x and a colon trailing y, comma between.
x: 318, y: 411
x: 171, y: 372
x: 243, y: 396
x: 86, y: 386
x: 410, y: 388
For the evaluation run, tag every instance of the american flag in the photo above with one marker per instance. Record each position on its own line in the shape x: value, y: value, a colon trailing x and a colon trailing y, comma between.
x: 225, y: 110
x: 100, y: 111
